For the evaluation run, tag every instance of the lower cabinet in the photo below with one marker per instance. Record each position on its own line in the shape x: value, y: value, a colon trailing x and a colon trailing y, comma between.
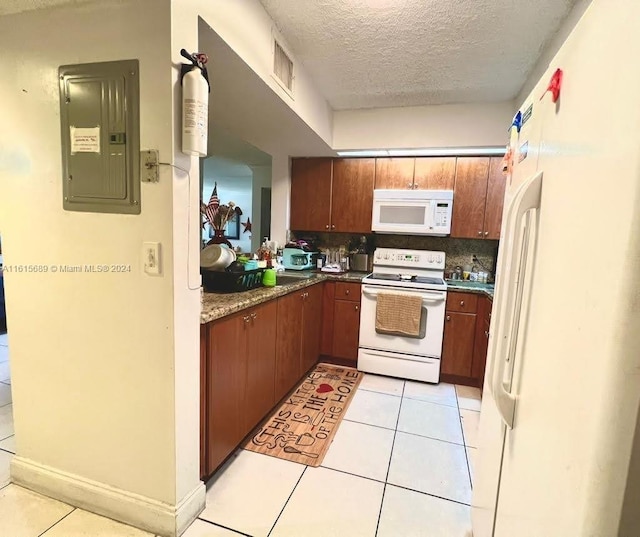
x: 298, y: 333
x: 482, y: 340
x: 341, y: 322
x: 457, y: 345
x: 240, y: 372
x: 466, y: 334
x: 248, y: 362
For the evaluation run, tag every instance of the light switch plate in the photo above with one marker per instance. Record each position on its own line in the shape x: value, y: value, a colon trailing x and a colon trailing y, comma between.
x: 149, y: 166
x: 151, y: 258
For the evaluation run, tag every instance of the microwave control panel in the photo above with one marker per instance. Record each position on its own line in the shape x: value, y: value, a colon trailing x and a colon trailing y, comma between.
x: 442, y: 214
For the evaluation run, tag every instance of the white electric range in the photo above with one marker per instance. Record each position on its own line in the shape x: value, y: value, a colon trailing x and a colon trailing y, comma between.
x: 411, y: 272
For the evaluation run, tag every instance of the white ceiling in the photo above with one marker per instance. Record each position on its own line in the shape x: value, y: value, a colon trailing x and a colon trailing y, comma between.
x: 383, y: 53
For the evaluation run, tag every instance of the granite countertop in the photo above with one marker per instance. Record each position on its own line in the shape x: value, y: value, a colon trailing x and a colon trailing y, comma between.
x: 217, y: 305
x: 471, y: 287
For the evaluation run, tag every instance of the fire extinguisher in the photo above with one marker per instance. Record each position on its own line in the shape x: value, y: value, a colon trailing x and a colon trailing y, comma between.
x: 195, y: 104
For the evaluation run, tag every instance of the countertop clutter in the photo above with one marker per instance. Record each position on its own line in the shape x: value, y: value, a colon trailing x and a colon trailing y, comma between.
x: 217, y: 305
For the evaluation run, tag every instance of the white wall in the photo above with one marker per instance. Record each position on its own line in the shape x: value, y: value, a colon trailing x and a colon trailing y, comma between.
x: 247, y: 28
x: 450, y: 125
x: 551, y: 49
x: 104, y: 366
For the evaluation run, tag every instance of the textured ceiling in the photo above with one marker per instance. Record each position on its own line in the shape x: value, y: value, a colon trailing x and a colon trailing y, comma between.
x: 379, y: 53
x: 17, y: 6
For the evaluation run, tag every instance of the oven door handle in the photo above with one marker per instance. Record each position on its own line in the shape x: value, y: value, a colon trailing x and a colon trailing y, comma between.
x: 425, y: 298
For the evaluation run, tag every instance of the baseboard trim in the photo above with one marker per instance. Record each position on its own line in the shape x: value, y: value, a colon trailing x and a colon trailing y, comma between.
x: 136, y: 510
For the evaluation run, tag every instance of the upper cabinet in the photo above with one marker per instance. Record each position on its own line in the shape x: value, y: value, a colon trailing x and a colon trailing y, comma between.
x: 394, y: 173
x: 331, y: 195
x: 478, y: 198
x: 434, y: 173
x: 495, y: 199
x: 337, y: 194
x: 311, y: 194
x: 424, y: 173
x: 352, y: 195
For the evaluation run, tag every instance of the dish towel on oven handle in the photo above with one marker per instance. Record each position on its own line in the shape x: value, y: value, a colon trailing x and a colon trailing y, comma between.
x: 398, y: 314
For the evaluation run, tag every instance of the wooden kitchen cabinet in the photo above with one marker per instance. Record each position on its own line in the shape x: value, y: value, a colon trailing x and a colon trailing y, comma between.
x: 240, y: 379
x: 496, y: 185
x: 478, y: 198
x: 395, y: 173
x: 466, y: 335
x: 346, y: 330
x: 311, y: 194
x: 312, y: 326
x: 227, y: 371
x: 434, y: 173
x: 298, y: 334
x: 332, y: 195
x: 352, y: 195
x: 260, y: 333
x: 289, y: 342
x: 203, y: 400
x: 481, y: 343
x: 341, y: 322
x: 423, y: 173
x: 457, y: 347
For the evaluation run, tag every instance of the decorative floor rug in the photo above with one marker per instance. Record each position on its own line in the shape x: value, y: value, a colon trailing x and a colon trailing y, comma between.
x: 302, y: 429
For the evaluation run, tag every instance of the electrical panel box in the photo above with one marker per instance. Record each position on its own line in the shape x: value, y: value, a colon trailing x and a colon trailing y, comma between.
x: 100, y: 122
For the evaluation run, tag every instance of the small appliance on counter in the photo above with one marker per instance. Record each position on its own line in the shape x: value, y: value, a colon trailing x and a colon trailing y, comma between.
x: 360, y: 262
x: 298, y: 259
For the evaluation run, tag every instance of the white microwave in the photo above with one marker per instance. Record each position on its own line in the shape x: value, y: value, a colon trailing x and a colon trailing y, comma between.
x: 414, y: 212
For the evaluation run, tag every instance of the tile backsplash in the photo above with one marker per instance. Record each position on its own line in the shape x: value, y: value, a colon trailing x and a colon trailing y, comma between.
x: 458, y: 251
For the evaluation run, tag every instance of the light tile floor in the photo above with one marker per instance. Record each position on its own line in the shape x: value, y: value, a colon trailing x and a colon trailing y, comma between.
x: 401, y: 464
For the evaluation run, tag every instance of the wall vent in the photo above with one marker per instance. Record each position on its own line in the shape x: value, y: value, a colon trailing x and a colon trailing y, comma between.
x: 282, y: 67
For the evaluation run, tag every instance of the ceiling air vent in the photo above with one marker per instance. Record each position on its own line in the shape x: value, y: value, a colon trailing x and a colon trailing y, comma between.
x: 282, y: 67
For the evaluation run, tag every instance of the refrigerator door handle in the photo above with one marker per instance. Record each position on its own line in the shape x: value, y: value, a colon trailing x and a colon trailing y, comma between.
x: 526, y: 199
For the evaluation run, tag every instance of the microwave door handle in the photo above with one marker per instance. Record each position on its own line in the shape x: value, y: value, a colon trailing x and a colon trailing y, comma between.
x: 433, y: 214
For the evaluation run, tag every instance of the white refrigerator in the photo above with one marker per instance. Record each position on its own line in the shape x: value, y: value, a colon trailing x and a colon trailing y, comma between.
x: 559, y: 439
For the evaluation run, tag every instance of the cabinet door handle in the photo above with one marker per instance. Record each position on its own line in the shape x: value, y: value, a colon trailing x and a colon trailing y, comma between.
x: 462, y: 302
x: 254, y: 315
x: 486, y: 233
x: 357, y: 308
x: 486, y: 333
x: 448, y: 317
x: 327, y: 226
x: 416, y: 186
x: 479, y: 233
x: 246, y: 319
x: 333, y: 226
x: 347, y: 291
x: 410, y: 186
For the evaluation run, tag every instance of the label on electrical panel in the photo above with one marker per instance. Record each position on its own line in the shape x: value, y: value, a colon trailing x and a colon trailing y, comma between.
x: 85, y: 140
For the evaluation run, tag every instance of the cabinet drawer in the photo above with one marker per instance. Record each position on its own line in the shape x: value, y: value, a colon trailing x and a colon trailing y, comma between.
x: 462, y: 302
x: 347, y: 291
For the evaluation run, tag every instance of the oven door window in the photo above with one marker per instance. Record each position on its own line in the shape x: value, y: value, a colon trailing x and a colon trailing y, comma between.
x: 403, y: 214
x: 423, y: 328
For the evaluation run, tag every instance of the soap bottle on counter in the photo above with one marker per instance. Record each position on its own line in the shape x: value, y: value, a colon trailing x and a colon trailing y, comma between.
x: 264, y: 254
